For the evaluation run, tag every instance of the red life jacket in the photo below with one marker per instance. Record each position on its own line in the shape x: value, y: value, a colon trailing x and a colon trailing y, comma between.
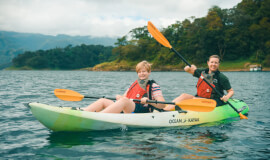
x: 136, y: 91
x: 203, y: 89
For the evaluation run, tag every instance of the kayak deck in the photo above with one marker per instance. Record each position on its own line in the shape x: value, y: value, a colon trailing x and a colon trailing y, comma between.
x: 66, y: 119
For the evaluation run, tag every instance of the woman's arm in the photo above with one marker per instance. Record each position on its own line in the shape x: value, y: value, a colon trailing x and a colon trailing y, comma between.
x: 158, y: 105
x: 230, y: 93
x: 157, y: 95
x: 191, y: 69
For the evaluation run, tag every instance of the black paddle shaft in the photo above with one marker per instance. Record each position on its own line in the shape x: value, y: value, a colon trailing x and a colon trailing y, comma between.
x: 99, y: 97
x: 220, y: 95
x: 181, y: 56
x: 135, y: 100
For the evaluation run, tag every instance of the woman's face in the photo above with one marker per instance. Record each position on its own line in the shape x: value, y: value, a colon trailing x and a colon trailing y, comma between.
x: 213, y: 64
x: 143, y: 74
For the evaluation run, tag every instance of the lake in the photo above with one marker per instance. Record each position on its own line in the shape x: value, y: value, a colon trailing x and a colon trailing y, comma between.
x: 23, y: 137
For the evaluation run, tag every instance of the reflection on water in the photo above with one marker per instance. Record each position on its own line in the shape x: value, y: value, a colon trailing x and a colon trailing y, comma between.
x: 198, y: 145
x: 69, y: 139
x: 184, y: 143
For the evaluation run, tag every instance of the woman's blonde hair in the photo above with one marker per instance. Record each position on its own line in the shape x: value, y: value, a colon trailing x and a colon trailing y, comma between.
x: 143, y: 64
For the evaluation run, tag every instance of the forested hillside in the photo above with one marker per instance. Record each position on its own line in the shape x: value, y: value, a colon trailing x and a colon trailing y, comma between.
x: 242, y: 32
x: 64, y: 58
x: 239, y: 33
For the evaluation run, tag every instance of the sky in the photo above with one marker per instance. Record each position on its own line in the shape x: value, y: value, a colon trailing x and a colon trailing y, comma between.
x: 99, y: 18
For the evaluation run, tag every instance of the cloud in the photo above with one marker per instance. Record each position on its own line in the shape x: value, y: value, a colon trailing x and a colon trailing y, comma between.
x: 98, y: 17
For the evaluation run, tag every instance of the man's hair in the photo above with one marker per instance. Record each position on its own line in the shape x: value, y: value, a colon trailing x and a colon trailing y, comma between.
x: 214, y: 56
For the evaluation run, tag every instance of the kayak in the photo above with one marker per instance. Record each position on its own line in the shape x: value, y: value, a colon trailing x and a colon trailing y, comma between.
x: 67, y: 119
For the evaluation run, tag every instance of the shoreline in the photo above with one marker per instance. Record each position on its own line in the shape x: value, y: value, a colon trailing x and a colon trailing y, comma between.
x: 132, y: 70
x: 229, y: 66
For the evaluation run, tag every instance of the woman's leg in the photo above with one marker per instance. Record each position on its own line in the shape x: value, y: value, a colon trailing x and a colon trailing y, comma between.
x: 123, y: 104
x: 98, y: 105
x: 182, y: 97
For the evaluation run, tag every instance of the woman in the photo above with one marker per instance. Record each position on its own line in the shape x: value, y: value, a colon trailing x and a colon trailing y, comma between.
x: 142, y: 89
x: 214, y: 77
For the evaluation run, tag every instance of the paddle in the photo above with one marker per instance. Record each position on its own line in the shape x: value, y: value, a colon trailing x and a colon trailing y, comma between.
x: 162, y: 40
x: 198, y: 105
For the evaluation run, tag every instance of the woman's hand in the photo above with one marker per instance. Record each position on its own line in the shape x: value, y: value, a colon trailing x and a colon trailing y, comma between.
x: 191, y: 69
x: 225, y: 98
x: 143, y: 100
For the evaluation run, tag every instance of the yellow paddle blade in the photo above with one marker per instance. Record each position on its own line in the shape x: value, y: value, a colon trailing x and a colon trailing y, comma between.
x: 68, y: 95
x: 199, y: 105
x: 157, y: 35
x: 242, y: 116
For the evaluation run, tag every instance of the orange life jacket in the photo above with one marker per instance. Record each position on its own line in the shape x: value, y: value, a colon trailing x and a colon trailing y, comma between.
x: 203, y: 89
x: 137, y: 92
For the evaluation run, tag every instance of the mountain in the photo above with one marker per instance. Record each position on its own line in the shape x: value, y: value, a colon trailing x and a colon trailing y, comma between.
x: 14, y: 43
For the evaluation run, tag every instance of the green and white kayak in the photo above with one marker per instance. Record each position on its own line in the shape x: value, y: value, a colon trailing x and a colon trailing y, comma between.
x: 66, y: 119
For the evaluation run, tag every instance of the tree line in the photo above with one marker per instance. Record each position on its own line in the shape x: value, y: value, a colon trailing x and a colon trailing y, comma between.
x: 239, y: 33
x: 242, y: 32
x: 64, y: 58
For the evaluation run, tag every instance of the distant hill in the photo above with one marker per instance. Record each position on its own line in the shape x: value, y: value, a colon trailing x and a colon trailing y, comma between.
x: 68, y: 58
x: 14, y: 43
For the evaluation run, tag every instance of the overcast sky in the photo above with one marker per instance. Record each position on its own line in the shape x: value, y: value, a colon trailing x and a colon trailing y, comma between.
x: 99, y: 17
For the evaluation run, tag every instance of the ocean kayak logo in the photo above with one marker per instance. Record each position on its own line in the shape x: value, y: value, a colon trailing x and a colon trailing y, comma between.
x: 189, y: 120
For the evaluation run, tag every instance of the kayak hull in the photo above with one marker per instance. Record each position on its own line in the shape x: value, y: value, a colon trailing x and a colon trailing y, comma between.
x: 65, y: 119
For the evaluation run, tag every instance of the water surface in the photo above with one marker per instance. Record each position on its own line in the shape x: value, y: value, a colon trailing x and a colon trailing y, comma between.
x: 22, y: 136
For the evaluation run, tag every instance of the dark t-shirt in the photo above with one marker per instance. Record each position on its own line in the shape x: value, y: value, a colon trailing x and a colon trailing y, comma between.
x: 221, y: 82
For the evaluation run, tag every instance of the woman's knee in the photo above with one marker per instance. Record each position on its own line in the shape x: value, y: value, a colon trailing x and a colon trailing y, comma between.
x: 185, y: 95
x: 104, y: 101
x: 124, y: 100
